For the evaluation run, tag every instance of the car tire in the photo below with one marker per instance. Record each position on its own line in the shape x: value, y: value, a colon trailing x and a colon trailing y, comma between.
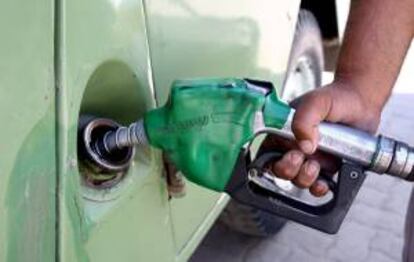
x: 306, y: 58
x: 306, y: 62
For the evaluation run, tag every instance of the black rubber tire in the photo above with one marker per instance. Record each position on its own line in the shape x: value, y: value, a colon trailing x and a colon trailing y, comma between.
x: 307, y: 42
x: 252, y: 221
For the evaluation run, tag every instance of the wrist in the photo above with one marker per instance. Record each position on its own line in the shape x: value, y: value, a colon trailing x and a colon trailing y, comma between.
x: 354, y: 107
x: 359, y: 89
x: 371, y: 95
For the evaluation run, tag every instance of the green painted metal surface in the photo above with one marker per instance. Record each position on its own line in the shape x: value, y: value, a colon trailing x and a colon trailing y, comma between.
x: 104, y: 70
x: 108, y: 57
x: 201, y: 39
x: 27, y: 141
x: 205, y: 124
x: 275, y: 111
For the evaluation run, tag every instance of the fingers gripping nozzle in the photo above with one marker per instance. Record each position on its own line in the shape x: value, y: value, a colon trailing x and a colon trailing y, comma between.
x: 378, y: 154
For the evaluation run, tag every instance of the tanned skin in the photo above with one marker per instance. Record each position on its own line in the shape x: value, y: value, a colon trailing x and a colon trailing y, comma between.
x: 376, y: 41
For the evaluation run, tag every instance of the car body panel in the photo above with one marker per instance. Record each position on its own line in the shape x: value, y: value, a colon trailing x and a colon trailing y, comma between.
x: 27, y: 159
x: 104, y: 71
x: 235, y: 38
x: 114, y: 59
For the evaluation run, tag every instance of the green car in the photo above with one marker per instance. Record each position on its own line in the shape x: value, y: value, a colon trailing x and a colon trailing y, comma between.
x: 66, y: 61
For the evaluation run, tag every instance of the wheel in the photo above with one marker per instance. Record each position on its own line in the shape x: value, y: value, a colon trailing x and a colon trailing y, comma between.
x: 304, y: 73
x: 306, y: 60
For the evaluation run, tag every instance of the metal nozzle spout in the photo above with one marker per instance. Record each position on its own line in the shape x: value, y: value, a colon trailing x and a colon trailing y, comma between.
x: 125, y: 137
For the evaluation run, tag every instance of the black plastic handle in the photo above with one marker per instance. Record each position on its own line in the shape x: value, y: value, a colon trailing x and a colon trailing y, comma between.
x: 326, y: 217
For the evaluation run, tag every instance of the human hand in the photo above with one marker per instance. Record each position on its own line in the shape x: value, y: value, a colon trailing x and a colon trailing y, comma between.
x: 338, y: 102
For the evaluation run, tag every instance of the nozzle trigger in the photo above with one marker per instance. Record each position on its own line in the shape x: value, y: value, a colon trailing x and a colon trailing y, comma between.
x: 251, y: 185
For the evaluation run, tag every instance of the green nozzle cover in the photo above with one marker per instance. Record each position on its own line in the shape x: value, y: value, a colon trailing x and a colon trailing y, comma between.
x: 204, y: 125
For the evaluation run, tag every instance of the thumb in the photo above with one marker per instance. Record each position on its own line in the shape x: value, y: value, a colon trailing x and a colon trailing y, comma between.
x: 311, y: 110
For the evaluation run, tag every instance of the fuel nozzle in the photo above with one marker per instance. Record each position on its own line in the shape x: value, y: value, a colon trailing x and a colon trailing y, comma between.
x: 124, y: 137
x: 206, y: 128
x: 380, y: 154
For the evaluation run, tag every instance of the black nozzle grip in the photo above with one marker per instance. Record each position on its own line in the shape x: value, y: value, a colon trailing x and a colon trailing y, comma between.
x: 326, y: 217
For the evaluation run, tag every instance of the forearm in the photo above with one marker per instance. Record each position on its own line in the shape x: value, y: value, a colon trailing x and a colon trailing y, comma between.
x: 378, y: 35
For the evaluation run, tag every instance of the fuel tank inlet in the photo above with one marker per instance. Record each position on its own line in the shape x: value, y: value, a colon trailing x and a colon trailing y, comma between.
x: 102, y: 166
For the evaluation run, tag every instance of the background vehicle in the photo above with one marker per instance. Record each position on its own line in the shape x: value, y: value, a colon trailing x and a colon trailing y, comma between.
x: 114, y: 59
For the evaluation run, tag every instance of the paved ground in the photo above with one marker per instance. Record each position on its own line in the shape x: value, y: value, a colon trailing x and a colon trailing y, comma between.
x: 373, y: 230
